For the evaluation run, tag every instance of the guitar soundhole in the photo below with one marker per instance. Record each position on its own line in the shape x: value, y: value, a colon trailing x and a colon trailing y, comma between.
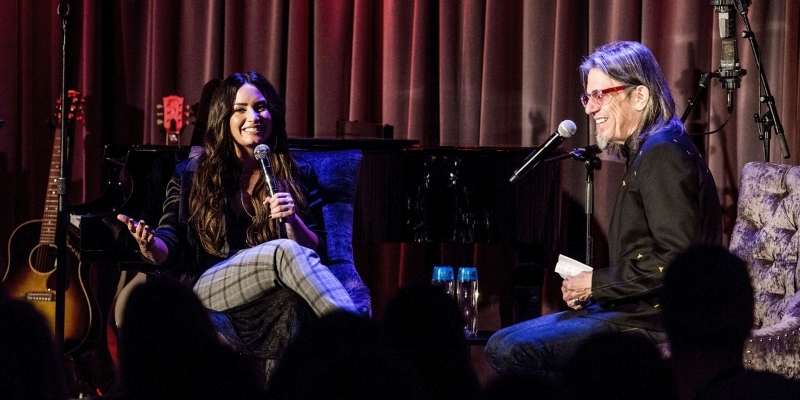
x: 43, y: 259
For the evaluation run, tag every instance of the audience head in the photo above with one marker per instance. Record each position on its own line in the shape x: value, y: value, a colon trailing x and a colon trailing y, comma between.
x: 168, y: 347
x: 423, y: 325
x: 618, y: 366
x: 339, y: 356
x: 707, y: 300
x: 31, y: 367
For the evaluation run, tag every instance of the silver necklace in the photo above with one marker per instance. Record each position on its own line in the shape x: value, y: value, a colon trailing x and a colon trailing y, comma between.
x: 241, y: 199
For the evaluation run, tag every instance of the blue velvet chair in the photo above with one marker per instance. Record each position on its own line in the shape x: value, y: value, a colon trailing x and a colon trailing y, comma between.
x: 263, y: 329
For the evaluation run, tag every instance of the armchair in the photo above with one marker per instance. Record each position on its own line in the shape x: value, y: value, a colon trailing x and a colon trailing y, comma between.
x: 765, y: 236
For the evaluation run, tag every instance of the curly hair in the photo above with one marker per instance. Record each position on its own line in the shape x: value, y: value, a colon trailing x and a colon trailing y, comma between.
x: 216, y: 181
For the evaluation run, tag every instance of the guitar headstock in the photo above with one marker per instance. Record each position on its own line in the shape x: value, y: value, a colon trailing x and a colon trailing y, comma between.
x: 173, y: 115
x: 75, y: 107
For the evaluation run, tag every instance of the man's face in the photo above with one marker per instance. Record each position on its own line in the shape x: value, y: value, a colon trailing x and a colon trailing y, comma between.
x: 613, y: 114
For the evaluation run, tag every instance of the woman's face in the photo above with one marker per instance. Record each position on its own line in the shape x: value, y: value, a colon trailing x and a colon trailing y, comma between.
x: 251, y: 122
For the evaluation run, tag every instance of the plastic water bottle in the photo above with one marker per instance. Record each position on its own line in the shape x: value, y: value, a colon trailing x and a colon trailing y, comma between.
x: 444, y: 277
x: 467, y: 296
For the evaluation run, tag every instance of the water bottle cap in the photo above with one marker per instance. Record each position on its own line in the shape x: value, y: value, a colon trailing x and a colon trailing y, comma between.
x: 442, y: 273
x: 467, y: 274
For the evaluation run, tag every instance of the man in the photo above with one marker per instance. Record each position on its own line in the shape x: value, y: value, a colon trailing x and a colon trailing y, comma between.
x: 667, y: 200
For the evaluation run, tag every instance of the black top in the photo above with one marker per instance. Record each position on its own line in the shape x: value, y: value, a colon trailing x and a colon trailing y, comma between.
x: 667, y: 201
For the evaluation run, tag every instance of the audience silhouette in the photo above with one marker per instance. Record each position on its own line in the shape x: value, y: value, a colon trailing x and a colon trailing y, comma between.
x: 708, y: 314
x: 30, y: 366
x: 169, y: 349
x: 340, y: 356
x: 423, y: 325
x: 618, y: 365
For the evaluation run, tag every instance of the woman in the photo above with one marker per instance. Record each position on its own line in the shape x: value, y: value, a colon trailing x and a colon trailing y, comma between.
x: 220, y: 229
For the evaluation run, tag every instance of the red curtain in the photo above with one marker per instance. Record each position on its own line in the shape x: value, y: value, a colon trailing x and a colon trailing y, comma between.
x: 449, y: 72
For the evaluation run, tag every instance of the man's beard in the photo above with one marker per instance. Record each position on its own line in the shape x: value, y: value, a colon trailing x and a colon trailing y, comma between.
x: 602, y: 142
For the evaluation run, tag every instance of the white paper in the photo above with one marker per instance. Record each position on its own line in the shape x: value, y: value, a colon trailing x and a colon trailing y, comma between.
x: 568, y: 267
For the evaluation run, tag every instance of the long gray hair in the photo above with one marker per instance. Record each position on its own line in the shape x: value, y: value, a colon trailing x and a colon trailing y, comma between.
x: 634, y: 64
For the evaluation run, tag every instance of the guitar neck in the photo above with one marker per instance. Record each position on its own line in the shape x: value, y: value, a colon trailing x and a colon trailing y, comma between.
x: 51, y: 199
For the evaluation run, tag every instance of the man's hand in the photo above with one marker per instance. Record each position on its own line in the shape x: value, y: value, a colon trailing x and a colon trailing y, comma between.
x: 576, y: 290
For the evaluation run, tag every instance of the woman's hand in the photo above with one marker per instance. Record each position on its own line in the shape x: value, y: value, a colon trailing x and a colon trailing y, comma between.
x: 151, y: 247
x: 281, y: 205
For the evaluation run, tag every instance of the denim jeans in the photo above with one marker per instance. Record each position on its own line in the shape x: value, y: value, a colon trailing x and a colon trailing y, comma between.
x: 544, y: 346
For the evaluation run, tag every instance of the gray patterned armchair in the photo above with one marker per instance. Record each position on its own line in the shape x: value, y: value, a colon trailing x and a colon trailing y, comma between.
x: 766, y: 237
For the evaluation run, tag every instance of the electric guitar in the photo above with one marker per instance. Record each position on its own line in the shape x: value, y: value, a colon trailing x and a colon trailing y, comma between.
x: 31, y: 271
x: 173, y: 116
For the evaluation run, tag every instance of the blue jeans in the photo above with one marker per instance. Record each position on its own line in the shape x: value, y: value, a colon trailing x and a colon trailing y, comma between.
x: 544, y: 346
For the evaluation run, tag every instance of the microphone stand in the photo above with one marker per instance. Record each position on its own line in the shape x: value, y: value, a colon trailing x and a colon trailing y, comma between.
x: 63, y: 11
x: 770, y: 118
x: 591, y: 162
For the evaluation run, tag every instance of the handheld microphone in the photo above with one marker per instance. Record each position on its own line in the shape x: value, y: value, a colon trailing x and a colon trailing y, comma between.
x: 262, y: 156
x: 730, y: 72
x: 566, y: 129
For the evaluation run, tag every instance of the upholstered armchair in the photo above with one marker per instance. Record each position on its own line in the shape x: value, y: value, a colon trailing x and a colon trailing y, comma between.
x: 263, y: 329
x: 766, y: 236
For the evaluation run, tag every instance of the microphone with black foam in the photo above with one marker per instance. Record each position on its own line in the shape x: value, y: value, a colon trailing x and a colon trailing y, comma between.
x: 262, y: 156
x: 566, y: 129
x: 730, y: 72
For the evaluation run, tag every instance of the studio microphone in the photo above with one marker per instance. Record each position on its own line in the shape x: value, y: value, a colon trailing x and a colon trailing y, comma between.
x: 730, y: 72
x: 566, y: 129
x: 262, y: 156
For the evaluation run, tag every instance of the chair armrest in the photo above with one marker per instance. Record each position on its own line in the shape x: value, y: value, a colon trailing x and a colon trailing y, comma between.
x: 789, y: 322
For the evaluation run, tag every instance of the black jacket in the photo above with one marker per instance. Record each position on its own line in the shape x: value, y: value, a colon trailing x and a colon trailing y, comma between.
x: 667, y: 201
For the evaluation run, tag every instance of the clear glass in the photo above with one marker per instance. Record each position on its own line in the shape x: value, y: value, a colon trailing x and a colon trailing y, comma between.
x: 467, y: 297
x: 444, y: 277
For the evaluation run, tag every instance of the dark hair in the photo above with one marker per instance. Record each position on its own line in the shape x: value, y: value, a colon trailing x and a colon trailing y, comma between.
x: 632, y: 63
x: 218, y: 171
x: 201, y: 111
x: 707, y: 300
x: 169, y: 348
x: 31, y: 367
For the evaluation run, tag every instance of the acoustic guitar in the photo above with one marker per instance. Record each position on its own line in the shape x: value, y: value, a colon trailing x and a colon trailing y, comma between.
x: 31, y: 271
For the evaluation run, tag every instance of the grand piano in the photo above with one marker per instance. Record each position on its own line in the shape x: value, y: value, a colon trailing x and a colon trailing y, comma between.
x: 415, y: 207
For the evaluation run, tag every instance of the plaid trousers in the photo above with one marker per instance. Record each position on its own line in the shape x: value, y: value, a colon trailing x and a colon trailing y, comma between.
x: 245, y: 276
